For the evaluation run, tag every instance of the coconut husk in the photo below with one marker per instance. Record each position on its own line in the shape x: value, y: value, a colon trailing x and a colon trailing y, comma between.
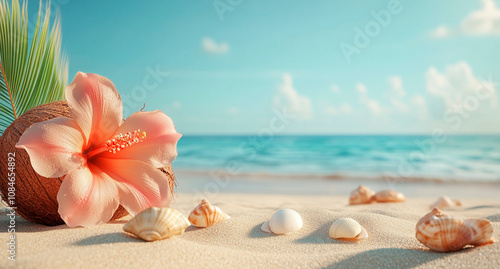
x: 36, y: 196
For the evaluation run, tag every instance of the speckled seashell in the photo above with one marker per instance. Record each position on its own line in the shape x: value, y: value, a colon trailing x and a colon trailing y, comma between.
x: 445, y: 202
x: 361, y: 195
x: 443, y: 233
x: 284, y: 221
x: 388, y: 196
x: 347, y: 228
x: 157, y: 223
x: 205, y: 215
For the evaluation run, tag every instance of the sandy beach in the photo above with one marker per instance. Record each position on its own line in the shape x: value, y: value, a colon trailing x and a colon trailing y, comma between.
x: 239, y: 242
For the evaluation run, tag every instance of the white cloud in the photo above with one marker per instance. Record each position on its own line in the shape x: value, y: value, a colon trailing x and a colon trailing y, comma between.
x: 361, y: 89
x: 233, y: 111
x: 397, y: 86
x: 397, y: 93
x: 289, y: 97
x: 331, y: 110
x: 177, y: 105
x: 455, y: 83
x: 420, y: 106
x: 210, y: 46
x: 399, y: 104
x: 441, y: 32
x: 452, y: 85
x: 485, y: 21
x: 344, y: 109
x: 372, y: 105
x: 335, y: 89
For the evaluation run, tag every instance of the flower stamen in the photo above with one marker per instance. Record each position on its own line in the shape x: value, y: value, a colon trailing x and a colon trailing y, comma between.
x: 121, y: 141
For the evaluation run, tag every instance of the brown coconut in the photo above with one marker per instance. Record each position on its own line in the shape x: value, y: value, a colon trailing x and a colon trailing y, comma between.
x: 36, y: 196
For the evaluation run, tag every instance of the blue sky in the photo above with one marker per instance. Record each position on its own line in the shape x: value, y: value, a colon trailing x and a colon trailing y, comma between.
x: 431, y: 66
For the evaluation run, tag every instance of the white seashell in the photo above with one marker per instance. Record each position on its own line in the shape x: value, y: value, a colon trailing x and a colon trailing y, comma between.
x: 361, y: 195
x: 444, y: 202
x: 284, y: 221
x: 443, y: 233
x: 347, y: 228
x: 388, y: 196
x: 157, y: 223
x: 265, y: 227
x: 205, y: 215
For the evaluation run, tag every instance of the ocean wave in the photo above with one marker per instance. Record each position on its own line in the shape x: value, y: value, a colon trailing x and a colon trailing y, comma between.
x: 459, y: 158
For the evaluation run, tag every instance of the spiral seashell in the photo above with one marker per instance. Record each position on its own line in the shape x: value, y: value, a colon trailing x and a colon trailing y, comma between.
x: 361, y: 195
x: 205, y: 215
x: 347, y: 228
x: 443, y: 233
x: 445, y: 202
x: 388, y: 196
x: 284, y: 221
x: 157, y: 223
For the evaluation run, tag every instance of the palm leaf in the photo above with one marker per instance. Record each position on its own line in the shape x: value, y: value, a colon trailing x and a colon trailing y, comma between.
x: 31, y: 73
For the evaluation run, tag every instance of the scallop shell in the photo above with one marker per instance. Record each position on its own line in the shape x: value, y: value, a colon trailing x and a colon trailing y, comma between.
x: 347, y: 228
x: 388, y: 196
x: 205, y: 215
x: 361, y: 195
x: 444, y: 202
x: 157, y: 223
x: 443, y: 233
x: 284, y: 221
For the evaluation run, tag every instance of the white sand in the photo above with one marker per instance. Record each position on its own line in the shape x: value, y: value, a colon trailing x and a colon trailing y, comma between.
x: 239, y: 243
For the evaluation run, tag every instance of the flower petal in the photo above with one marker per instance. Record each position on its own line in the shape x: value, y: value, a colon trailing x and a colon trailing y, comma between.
x: 96, y: 106
x: 87, y: 196
x: 140, y: 185
x: 159, y: 148
x: 54, y: 146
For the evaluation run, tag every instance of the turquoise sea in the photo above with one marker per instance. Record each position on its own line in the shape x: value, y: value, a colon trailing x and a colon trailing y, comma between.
x: 426, y: 158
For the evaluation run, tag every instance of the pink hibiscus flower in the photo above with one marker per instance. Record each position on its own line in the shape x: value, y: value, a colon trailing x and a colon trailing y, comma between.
x: 106, y: 162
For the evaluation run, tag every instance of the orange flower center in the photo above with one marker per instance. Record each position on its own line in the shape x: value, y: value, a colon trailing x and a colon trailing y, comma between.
x: 121, y: 141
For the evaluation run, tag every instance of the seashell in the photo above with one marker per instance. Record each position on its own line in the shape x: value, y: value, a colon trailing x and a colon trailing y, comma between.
x: 347, y: 228
x: 361, y: 195
x: 284, y: 221
x: 205, y: 215
x: 265, y: 227
x: 444, y: 202
x: 481, y: 231
x: 157, y: 223
x: 388, y: 197
x: 443, y: 233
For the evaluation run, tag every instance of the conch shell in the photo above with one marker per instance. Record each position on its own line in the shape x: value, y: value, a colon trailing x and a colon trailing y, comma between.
x: 284, y: 221
x: 361, y: 195
x: 444, y: 202
x: 388, y: 196
x: 157, y: 223
x: 347, y: 228
x: 205, y: 215
x: 443, y: 233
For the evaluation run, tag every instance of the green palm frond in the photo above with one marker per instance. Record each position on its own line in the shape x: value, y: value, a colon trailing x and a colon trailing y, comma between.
x: 31, y: 74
